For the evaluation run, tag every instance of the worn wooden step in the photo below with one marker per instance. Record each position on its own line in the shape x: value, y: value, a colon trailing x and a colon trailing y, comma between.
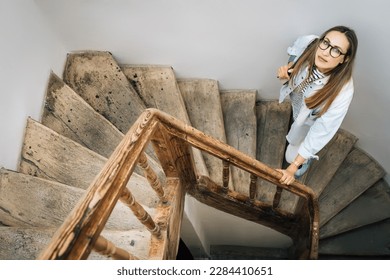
x: 69, y: 115
x: 29, y: 201
x: 372, y: 206
x: 98, y: 79
x: 331, y: 157
x: 272, y: 127
x: 239, y: 113
x: 371, y: 240
x: 203, y: 103
x: 356, y: 174
x: 158, y: 88
x: 49, y: 155
x: 19, y: 243
x: 321, y: 171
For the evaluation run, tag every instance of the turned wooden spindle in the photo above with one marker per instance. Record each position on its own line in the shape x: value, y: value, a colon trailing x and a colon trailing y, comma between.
x: 143, y: 216
x: 252, y: 187
x: 225, y: 174
x: 277, y: 196
x: 152, y: 177
x: 107, y: 248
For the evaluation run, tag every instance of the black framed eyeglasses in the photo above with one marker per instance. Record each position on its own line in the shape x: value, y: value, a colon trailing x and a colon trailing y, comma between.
x: 335, y: 52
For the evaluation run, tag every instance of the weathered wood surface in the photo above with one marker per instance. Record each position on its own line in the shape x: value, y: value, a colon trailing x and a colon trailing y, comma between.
x: 140, y: 212
x: 321, y: 171
x: 356, y: 174
x: 158, y: 88
x: 239, y: 115
x: 371, y: 240
x: 372, y: 206
x: 203, y: 104
x: 69, y: 115
x: 107, y: 248
x: 28, y: 201
x: 240, y: 205
x: 170, y: 218
x: 331, y: 157
x: 272, y: 127
x: 20, y: 243
x: 99, y: 80
x: 48, y: 155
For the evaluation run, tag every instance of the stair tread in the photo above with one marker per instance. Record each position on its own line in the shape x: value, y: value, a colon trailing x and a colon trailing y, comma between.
x: 238, y: 107
x: 355, y: 175
x: 68, y: 114
x: 30, y: 201
x: 48, y: 155
x: 370, y: 240
x: 98, y: 79
x: 158, y: 88
x: 272, y: 127
x: 372, y: 206
x: 331, y: 157
x: 20, y: 243
x: 203, y: 104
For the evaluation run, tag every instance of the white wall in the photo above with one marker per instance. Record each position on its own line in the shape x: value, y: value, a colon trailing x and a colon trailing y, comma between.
x: 29, y: 49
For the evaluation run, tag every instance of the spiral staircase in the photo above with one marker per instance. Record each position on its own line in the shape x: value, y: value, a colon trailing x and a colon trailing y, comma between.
x: 88, y: 111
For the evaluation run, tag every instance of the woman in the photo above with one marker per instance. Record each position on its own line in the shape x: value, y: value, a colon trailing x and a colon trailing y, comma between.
x: 320, y: 86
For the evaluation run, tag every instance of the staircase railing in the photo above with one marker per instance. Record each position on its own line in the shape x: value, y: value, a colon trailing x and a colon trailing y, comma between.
x: 172, y: 141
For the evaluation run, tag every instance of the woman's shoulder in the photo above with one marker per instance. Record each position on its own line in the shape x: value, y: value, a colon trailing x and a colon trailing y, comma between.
x: 300, y: 45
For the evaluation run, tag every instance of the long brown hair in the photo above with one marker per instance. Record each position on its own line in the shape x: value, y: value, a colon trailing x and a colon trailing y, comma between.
x: 338, y: 76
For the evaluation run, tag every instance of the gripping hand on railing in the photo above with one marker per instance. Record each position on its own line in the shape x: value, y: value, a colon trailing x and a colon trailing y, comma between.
x: 288, y: 175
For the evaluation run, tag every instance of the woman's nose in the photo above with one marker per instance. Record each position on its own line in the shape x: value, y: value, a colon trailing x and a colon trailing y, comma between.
x: 326, y: 52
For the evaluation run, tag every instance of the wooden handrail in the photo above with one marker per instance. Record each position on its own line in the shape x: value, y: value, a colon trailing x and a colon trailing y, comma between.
x: 172, y: 141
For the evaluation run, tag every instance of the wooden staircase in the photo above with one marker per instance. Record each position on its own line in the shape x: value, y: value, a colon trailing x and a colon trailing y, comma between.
x: 87, y: 114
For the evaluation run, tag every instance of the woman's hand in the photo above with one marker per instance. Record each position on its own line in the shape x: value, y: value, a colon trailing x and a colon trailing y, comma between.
x: 284, y: 72
x: 288, y: 175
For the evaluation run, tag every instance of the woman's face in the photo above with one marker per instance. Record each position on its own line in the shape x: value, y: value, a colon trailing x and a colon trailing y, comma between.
x: 334, y: 43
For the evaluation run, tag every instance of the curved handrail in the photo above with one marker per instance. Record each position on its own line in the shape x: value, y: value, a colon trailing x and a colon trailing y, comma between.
x: 172, y: 140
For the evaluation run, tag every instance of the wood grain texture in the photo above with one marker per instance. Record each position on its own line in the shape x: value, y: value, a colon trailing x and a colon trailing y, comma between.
x: 356, y: 174
x: 98, y: 79
x: 28, y: 201
x: 370, y: 207
x: 272, y: 127
x: 239, y: 115
x: 364, y: 242
x: 20, y: 243
x: 203, y: 104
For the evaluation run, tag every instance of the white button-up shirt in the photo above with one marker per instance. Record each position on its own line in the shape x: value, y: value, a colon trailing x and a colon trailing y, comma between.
x: 309, y: 132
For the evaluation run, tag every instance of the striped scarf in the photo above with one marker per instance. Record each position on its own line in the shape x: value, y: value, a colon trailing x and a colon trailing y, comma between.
x: 298, y: 92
